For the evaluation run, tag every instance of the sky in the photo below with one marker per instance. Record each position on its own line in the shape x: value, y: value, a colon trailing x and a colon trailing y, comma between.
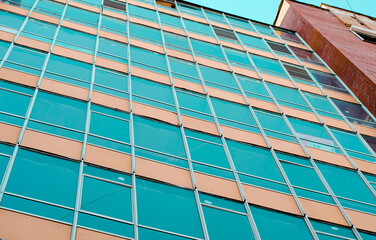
x: 265, y: 10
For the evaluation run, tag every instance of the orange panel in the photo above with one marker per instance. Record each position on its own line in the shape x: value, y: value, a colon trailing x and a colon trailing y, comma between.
x: 365, y: 130
x: 316, y: 67
x: 73, y: 54
x: 212, y: 63
x: 286, y: 146
x: 18, y: 77
x: 146, y: 45
x: 114, y: 14
x: 231, y: 45
x: 19, y: 226
x: 309, y: 88
x: 263, y: 104
x: 200, y: 125
x: 32, y: 43
x: 9, y: 133
x: 5, y: 36
x: 110, y: 101
x: 218, y: 186
x: 110, y: 64
x: 156, y: 113
x: 260, y: 52
x: 45, y: 18
x: 173, y: 30
x: 241, y: 30
x: 141, y: 4
x: 86, y: 234
x: 362, y: 220
x: 163, y: 172
x: 144, y: 22
x: 193, y: 18
x: 108, y: 158
x: 178, y: 54
x: 165, y: 10
x: 150, y: 75
x: 278, y: 80
x: 13, y: 9
x: 233, y: 97
x: 65, y: 89
x: 113, y: 36
x: 288, y: 60
x: 300, y: 114
x: 340, y: 96
x: 329, y: 157
x: 270, y: 38
x: 365, y: 166
x: 61, y: 1
x: 53, y: 144
x: 221, y: 25
x: 188, y: 85
x: 243, y: 136
x: 336, y: 123
x: 270, y: 199
x: 323, y: 211
x: 84, y: 6
x: 245, y: 72
x: 79, y: 27
x: 202, y: 38
x: 297, y: 45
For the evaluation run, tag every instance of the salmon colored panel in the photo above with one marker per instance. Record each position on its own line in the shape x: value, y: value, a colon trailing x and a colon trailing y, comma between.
x: 110, y: 64
x: 340, y: 96
x: 86, y: 234
x: 181, y: 55
x: 271, y: 38
x: 114, y: 14
x: 231, y: 45
x: 70, y: 53
x: 188, y: 85
x: 300, y: 114
x: 61, y: 1
x: 336, y: 123
x: 202, y: 38
x: 18, y: 77
x: 150, y: 75
x: 32, y: 43
x: 243, y: 136
x: 108, y: 158
x: 65, y: 89
x: 84, y: 6
x: 329, y: 157
x: 233, y: 97
x: 323, y: 211
x: 241, y: 30
x: 270, y: 199
x: 45, y: 18
x: 5, y: 36
x: 13, y: 9
x: 9, y: 133
x: 110, y: 101
x: 173, y: 30
x: 274, y: 79
x: 53, y: 144
x: 297, y: 45
x: 193, y: 18
x: 260, y: 52
x: 79, y: 27
x: 263, y: 104
x: 146, y: 45
x: 288, y: 60
x: 365, y: 166
x: 362, y: 220
x: 212, y: 63
x: 309, y: 88
x: 218, y: 186
x: 141, y: 4
x: 220, y: 25
x: 285, y: 146
x: 156, y: 113
x: 163, y: 172
x: 316, y: 67
x: 171, y: 12
x: 113, y: 36
x: 245, y: 72
x: 18, y: 226
x: 200, y: 125
x: 365, y: 130
x: 144, y: 22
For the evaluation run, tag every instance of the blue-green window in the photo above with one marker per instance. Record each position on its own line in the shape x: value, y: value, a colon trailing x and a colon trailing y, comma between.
x: 159, y: 141
x: 170, y: 20
x: 3, y: 48
x: 142, y: 13
x: 367, y: 236
x: 238, y: 58
x: 207, y: 50
x: 51, y: 8
x: 274, y: 125
x: 322, y: 106
x: 199, y: 28
x: 253, y: 42
x: 254, y: 88
x: 39, y: 30
x: 191, y: 10
x: 145, y: 33
x: 112, y: 50
x: 240, y: 23
x: 184, y: 70
x: 5, y: 153
x: 268, y: 66
x: 25, y: 60
x: 219, y: 79
x: 111, y: 82
x: 10, y: 22
x: 81, y: 16
x: 76, y: 40
x: 114, y: 25
x: 148, y: 60
x: 288, y: 97
x: 176, y: 42
x: 263, y: 29
x: 194, y: 105
x: 215, y: 16
x: 329, y: 231
x: 160, y: 206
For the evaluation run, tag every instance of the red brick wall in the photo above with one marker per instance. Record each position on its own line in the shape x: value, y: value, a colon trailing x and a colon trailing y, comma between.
x: 353, y: 60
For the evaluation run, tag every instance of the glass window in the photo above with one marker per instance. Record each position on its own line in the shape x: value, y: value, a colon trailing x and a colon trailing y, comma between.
x: 371, y: 141
x: 306, y: 55
x: 263, y: 29
x: 240, y: 23
x: 4, y: 151
x: 160, y: 206
x: 288, y: 97
x: 254, y: 88
x: 184, y: 70
x: 118, y: 6
x: 328, y: 81
x: 329, y: 231
x: 82, y: 16
x: 269, y: 66
x: 194, y: 105
x: 10, y: 22
x: 148, y: 60
x: 51, y: 8
x: 3, y: 49
x: 114, y: 25
x: 191, y: 10
x: 39, y: 30
x: 170, y: 20
x: 274, y: 125
x: 113, y: 50
x: 215, y: 16
x: 207, y: 50
x: 76, y: 40
x: 253, y: 42
x: 142, y: 13
x: 238, y: 58
x: 176, y: 42
x: 280, y: 49
x: 287, y: 35
x: 198, y: 27
x: 298, y: 74
x: 355, y: 113
x: 111, y: 82
x: 217, y: 78
x: 25, y: 60
x: 322, y: 105
x: 145, y: 33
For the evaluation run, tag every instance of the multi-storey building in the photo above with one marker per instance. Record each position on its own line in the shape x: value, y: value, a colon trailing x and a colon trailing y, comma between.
x: 165, y: 120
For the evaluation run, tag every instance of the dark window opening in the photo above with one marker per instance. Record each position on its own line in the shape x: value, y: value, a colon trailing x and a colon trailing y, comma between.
x: 371, y: 141
x: 166, y: 3
x: 367, y: 38
x: 296, y: 72
x: 224, y: 33
x: 279, y: 48
x: 115, y: 5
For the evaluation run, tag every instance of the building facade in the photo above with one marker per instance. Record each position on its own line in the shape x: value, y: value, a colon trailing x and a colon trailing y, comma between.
x: 165, y: 120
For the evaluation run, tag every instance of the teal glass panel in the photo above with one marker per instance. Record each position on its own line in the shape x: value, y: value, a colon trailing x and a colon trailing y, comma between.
x: 191, y: 10
x: 142, y: 13
x: 83, y: 16
x: 160, y: 206
x: 59, y: 110
x: 232, y: 111
x: 45, y: 177
x: 273, y: 122
x: 108, y: 78
x: 170, y: 20
x: 109, y: 175
x: 114, y: 25
x: 160, y: 157
x: 367, y: 236
x: 320, y: 103
x: 311, y: 131
x: 39, y: 30
x: 222, y: 203
x: 14, y: 103
x: 286, y: 94
x: 238, y: 57
x: 149, y: 58
x: 50, y: 8
x: 254, y: 42
x: 293, y: 159
x: 184, y: 70
x: 198, y: 27
x: 351, y: 185
x: 349, y: 141
x: 242, y: 23
x: 144, y: 32
x: 113, y: 50
x: 314, y: 195
x: 11, y: 20
x: 77, y: 38
x: 3, y: 48
x: 217, y: 76
x: 105, y: 225
x: 333, y: 229
x: 256, y: 181
x: 218, y: 172
x: 263, y: 29
x: 158, y: 136
x: 199, y: 135
x: 3, y: 165
x: 215, y: 16
x: 106, y: 199
x: 208, y: 49
x: 28, y: 57
x: 147, y: 234
x: 358, y: 206
x: 193, y: 101
x: 254, y: 160
x: 109, y: 127
x: 267, y: 64
x: 226, y: 225
x: 176, y: 41
x: 55, y: 130
x: 274, y: 225
x: 37, y: 208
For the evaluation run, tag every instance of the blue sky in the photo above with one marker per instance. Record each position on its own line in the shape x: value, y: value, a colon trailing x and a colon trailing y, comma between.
x: 265, y: 10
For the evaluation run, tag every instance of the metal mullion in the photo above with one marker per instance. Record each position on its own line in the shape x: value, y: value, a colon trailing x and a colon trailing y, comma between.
x: 189, y: 160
